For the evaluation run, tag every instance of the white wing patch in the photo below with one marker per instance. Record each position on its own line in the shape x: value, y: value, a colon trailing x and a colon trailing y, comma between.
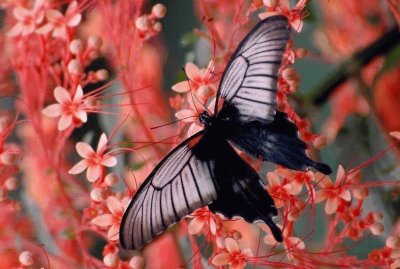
x: 250, y: 81
x: 178, y: 186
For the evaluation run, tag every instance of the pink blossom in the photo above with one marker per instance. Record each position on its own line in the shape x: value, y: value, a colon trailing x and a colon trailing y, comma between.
x: 71, y: 109
x: 234, y: 257
x: 278, y: 190
x: 295, y: 15
x: 93, y: 161
x: 59, y: 23
x: 202, y: 217
x: 192, y: 115
x: 27, y: 20
x: 112, y: 219
x: 200, y: 81
x: 332, y: 193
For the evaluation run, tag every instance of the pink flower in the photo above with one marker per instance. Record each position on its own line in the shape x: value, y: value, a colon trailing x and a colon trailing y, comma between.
x: 202, y: 217
x: 28, y: 20
x: 58, y: 23
x: 93, y: 161
x: 235, y: 257
x: 297, y: 179
x: 280, y: 192
x: 200, y: 81
x: 295, y: 15
x: 192, y: 115
x: 71, y: 109
x: 333, y: 193
x: 113, y: 220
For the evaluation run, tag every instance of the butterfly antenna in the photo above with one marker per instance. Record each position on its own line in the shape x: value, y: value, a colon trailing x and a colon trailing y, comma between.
x: 172, y: 122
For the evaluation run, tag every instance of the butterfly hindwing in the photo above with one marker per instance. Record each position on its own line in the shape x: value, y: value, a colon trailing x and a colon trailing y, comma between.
x: 180, y: 184
x: 277, y: 142
x: 241, y: 192
x: 249, y: 82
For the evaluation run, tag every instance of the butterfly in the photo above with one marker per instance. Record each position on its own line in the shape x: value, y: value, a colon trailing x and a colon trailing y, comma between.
x: 205, y: 170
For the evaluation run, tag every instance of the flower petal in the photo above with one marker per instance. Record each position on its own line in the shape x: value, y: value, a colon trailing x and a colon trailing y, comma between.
x: 81, y: 115
x: 109, y: 161
x: 15, y: 30
x: 79, y: 167
x: 45, y: 28
x: 115, y: 206
x: 64, y: 122
x: 102, y: 143
x: 104, y: 220
x: 71, y: 7
x: 320, y: 196
x: 186, y: 115
x: 181, y: 87
x: 84, y: 150
x: 192, y: 71
x: 221, y: 259
x: 78, y: 94
x: 28, y: 29
x: 296, y: 187
x: 345, y: 195
x: 60, y: 31
x: 273, y: 179
x: 62, y: 95
x: 247, y: 252
x: 196, y: 225
x: 113, y: 232
x: 53, y: 15
x: 20, y: 13
x: 93, y: 172
x: 231, y: 245
x: 331, y: 205
x: 194, y: 129
x: 74, y: 20
x: 54, y: 110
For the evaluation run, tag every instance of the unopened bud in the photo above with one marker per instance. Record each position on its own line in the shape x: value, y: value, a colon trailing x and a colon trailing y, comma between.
x: 377, y: 228
x: 360, y: 194
x: 94, y: 41
x: 111, y: 179
x: 26, y: 258
x: 74, y: 67
x: 11, y: 183
x: 393, y: 242
x: 102, y: 74
x: 111, y: 260
x: 136, y: 262
x: 76, y: 46
x: 157, y: 27
x: 320, y: 142
x: 142, y: 23
x: 98, y: 194
x: 159, y: 10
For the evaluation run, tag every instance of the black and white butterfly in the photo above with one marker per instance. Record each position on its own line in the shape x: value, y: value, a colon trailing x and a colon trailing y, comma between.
x: 205, y: 169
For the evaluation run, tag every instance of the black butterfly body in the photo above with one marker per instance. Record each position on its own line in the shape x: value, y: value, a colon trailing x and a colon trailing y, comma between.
x: 205, y: 169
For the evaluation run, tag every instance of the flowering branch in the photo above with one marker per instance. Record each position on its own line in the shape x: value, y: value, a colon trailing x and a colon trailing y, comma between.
x: 321, y: 93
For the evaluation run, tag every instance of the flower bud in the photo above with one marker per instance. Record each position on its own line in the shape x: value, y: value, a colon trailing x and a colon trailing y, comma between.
x: 76, y: 46
x: 26, y: 258
x: 11, y: 183
x: 10, y: 157
x: 320, y: 142
x: 142, y: 23
x: 111, y: 179
x: 102, y: 74
x: 393, y: 242
x: 159, y: 11
x: 377, y: 228
x: 157, y: 27
x: 94, y: 42
x: 98, y: 194
x: 301, y: 52
x: 136, y: 262
x: 378, y: 216
x: 111, y: 260
x: 74, y: 67
x: 360, y: 194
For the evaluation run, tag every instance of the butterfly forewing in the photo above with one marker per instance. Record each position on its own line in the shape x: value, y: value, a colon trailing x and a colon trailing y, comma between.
x: 249, y: 82
x: 180, y: 184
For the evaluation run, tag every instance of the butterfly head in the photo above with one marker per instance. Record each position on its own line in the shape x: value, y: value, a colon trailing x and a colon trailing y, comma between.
x: 206, y: 119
